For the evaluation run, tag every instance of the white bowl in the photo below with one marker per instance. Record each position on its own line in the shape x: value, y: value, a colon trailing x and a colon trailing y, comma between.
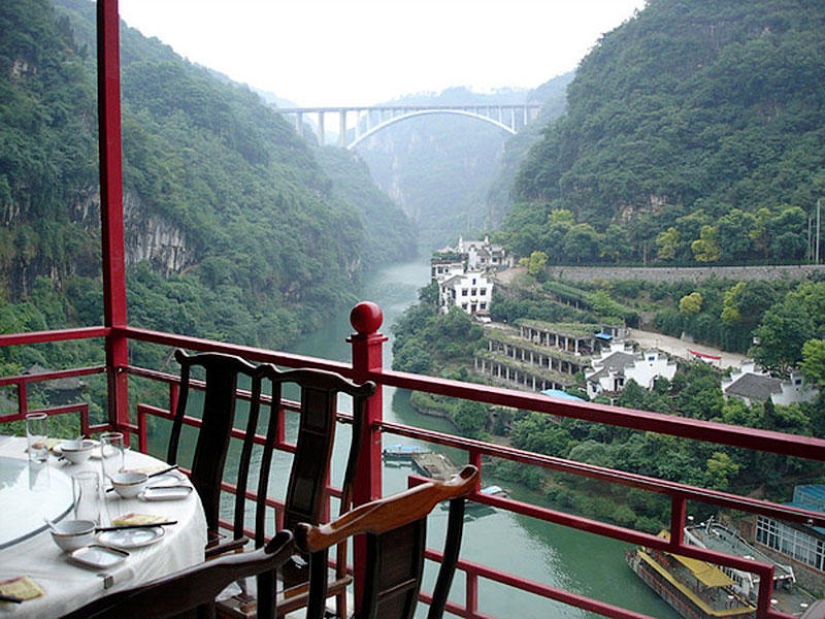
x: 77, y: 451
x: 129, y: 485
x: 73, y: 534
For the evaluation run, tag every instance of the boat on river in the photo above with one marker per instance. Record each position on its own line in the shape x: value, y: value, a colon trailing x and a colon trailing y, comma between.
x: 404, y: 452
x: 695, y: 589
x: 702, y: 590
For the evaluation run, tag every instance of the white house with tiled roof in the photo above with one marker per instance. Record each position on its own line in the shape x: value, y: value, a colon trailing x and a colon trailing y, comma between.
x: 471, y: 291
x: 751, y: 384
x: 611, y: 372
x: 481, y: 255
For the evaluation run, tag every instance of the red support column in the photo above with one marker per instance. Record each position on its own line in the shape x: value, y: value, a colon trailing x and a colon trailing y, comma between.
x: 367, y: 356
x: 111, y: 207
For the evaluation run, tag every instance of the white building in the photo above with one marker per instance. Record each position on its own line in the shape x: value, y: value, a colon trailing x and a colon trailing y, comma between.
x: 470, y: 291
x: 481, y: 255
x: 615, y: 367
x: 442, y: 269
x: 750, y: 384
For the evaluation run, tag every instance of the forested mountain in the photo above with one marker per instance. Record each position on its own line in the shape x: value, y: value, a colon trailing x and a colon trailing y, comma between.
x: 233, y: 228
x: 694, y: 132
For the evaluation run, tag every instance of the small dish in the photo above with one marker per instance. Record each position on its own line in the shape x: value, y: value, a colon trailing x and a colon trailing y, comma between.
x: 73, y: 534
x: 98, y: 557
x: 129, y: 485
x: 76, y: 451
x: 165, y: 493
x: 126, y: 539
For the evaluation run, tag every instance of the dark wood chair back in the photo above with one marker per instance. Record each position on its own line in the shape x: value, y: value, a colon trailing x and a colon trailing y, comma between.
x: 217, y: 413
x: 319, y: 390
x: 395, y: 529
x: 309, y: 474
x: 191, y: 592
x: 306, y: 491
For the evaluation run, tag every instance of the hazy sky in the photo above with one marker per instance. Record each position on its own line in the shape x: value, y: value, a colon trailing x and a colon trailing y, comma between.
x: 362, y: 52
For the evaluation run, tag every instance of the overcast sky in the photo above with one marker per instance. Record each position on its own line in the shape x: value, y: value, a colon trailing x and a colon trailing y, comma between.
x: 363, y: 52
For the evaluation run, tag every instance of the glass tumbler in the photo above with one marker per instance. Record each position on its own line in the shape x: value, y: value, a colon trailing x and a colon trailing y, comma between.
x: 87, y: 497
x: 37, y: 434
x: 112, y: 454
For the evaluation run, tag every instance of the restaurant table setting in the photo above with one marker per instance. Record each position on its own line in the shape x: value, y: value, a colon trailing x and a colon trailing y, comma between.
x: 88, y: 518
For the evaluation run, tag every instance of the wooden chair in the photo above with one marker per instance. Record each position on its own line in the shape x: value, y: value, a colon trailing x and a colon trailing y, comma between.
x: 309, y: 473
x: 190, y: 592
x: 217, y: 413
x: 396, y: 531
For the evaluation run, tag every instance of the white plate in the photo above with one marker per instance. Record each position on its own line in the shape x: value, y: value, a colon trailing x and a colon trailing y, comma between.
x: 166, y: 493
x: 98, y: 557
x: 58, y: 449
x: 131, y: 538
x: 172, y: 478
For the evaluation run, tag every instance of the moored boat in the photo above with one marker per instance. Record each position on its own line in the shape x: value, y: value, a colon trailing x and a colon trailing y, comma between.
x: 404, y: 452
x: 694, y: 588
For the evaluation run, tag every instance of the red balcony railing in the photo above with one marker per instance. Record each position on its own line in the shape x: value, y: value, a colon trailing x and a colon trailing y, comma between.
x: 367, y: 358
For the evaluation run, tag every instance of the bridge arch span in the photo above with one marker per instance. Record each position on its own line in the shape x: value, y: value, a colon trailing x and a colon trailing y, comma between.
x: 396, y: 119
x: 511, y: 117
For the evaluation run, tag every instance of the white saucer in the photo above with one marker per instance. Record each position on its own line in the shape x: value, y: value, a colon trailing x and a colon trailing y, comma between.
x: 131, y: 538
x: 98, y: 557
x: 166, y: 493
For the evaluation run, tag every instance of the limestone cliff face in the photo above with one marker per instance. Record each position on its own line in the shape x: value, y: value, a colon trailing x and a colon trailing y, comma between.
x: 151, y: 238
x: 148, y: 236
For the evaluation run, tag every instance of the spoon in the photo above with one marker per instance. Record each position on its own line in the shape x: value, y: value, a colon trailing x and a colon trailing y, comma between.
x: 50, y: 523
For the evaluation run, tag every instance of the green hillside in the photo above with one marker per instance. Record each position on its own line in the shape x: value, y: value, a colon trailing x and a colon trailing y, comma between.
x: 694, y: 133
x: 234, y: 230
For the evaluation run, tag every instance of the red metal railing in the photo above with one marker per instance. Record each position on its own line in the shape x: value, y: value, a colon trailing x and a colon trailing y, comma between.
x: 367, y: 344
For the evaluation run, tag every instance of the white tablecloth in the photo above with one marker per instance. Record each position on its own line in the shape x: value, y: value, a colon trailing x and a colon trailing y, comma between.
x: 69, y: 586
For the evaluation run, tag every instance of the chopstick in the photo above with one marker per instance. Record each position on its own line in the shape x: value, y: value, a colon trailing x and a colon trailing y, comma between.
x: 148, y: 525
x: 167, y: 470
x: 10, y: 598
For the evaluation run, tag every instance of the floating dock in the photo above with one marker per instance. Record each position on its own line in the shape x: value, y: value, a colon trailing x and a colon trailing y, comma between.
x: 434, y: 465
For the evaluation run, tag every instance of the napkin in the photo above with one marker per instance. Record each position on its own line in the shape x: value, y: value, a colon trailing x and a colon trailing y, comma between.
x: 133, y: 518
x: 21, y: 587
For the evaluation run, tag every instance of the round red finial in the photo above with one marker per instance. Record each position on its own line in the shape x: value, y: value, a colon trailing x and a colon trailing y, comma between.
x: 366, y: 317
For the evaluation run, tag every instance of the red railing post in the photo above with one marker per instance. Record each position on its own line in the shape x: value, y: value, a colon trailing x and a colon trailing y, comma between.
x: 367, y: 356
x: 111, y: 208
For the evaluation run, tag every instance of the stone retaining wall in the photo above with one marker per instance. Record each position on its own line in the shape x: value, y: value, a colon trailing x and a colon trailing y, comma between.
x: 693, y: 274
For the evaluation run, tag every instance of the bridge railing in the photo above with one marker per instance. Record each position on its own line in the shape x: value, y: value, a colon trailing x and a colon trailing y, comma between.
x: 367, y: 343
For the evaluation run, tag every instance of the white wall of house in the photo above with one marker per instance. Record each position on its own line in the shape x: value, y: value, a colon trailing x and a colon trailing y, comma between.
x: 643, y: 368
x: 471, y: 291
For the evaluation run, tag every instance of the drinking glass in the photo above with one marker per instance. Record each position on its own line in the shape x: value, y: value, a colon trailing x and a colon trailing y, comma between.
x: 37, y: 434
x: 86, y: 494
x: 112, y: 454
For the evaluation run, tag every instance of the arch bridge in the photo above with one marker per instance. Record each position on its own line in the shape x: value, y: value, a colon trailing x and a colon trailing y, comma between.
x: 356, y: 124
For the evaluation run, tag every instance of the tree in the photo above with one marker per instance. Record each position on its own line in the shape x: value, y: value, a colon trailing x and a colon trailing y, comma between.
x: 720, y: 469
x: 536, y: 263
x: 784, y: 330
x: 706, y: 247
x: 691, y: 303
x: 581, y: 243
x: 813, y: 362
x: 470, y: 418
x: 667, y: 242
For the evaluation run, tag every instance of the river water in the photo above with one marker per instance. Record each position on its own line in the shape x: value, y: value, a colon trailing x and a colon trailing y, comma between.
x: 542, y: 552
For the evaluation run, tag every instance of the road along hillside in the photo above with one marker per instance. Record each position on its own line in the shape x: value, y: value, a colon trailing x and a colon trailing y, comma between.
x: 676, y: 347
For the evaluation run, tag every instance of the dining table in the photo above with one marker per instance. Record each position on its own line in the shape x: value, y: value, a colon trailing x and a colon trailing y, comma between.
x: 33, y: 494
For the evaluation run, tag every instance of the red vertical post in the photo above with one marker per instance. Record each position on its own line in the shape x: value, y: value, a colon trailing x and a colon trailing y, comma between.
x: 111, y: 207
x: 367, y: 356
